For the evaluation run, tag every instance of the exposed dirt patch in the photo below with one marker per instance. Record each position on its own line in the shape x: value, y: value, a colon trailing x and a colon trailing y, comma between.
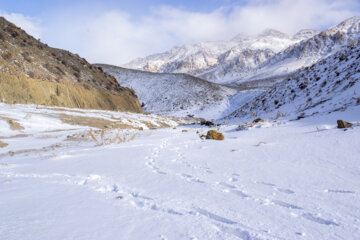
x: 91, y: 122
x: 15, y: 136
x: 3, y: 144
x: 14, y: 125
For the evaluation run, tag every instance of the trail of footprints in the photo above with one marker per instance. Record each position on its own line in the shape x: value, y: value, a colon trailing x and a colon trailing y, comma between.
x: 114, y: 191
x: 229, y: 187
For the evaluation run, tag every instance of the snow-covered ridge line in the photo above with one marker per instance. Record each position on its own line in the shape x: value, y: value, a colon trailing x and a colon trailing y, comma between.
x: 169, y: 93
x: 244, y: 59
x: 332, y: 84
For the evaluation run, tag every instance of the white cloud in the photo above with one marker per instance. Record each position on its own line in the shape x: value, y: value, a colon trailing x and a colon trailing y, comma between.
x: 29, y: 24
x: 117, y: 37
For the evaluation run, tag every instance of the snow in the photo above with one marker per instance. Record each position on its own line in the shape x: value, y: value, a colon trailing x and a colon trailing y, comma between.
x: 171, y: 94
x: 277, y: 180
x: 219, y: 59
x: 251, y: 58
x: 331, y: 84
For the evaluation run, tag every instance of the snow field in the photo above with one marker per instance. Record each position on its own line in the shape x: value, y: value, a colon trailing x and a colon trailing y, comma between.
x: 286, y: 180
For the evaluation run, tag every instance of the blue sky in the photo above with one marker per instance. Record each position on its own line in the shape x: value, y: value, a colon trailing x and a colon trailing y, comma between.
x: 137, y: 7
x: 116, y: 32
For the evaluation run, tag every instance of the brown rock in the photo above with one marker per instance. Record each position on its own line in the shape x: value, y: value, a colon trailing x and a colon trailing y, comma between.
x: 258, y: 120
x: 343, y: 124
x: 212, y: 134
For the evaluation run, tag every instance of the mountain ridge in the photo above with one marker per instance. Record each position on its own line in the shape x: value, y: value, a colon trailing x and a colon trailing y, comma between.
x: 269, y: 55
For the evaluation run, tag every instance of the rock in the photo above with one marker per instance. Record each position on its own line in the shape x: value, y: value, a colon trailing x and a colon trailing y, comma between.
x: 202, y: 136
x: 207, y: 123
x: 343, y: 124
x: 212, y: 134
x: 258, y: 120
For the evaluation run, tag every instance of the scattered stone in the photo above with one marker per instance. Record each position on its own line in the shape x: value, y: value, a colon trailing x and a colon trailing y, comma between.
x: 214, y: 135
x: 343, y: 124
x: 184, y: 130
x: 207, y: 123
x: 241, y: 127
x: 258, y: 120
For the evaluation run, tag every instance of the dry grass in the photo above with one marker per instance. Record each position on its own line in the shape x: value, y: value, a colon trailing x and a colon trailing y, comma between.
x: 23, y: 90
x: 93, y: 122
x: 107, y: 137
x: 16, y: 136
x: 3, y: 144
x: 14, y: 125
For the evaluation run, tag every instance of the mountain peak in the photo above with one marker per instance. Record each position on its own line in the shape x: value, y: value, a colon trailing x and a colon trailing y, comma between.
x: 273, y: 33
x: 305, y: 34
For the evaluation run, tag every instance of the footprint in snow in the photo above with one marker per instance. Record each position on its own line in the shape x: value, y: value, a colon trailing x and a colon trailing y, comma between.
x: 286, y: 205
x: 319, y: 220
x: 190, y: 178
x: 282, y: 190
x: 339, y: 191
x: 213, y: 216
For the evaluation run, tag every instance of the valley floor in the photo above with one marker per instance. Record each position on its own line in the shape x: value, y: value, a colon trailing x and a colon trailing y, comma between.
x: 280, y: 180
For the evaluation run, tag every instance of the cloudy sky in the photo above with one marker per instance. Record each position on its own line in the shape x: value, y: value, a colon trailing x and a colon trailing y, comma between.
x: 117, y: 31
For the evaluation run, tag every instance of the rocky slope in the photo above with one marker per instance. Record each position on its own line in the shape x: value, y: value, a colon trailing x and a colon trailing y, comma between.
x: 332, y: 84
x: 164, y: 93
x: 32, y: 72
x: 308, y: 52
x: 253, y: 62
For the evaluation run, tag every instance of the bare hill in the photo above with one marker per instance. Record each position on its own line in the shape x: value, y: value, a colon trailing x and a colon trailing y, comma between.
x: 33, y: 73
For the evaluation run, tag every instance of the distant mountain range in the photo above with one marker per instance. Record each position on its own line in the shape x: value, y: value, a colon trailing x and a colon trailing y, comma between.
x: 252, y: 62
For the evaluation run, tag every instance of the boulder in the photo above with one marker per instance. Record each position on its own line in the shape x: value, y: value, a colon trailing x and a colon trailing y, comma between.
x: 258, y: 120
x: 207, y: 123
x: 214, y: 135
x: 343, y: 124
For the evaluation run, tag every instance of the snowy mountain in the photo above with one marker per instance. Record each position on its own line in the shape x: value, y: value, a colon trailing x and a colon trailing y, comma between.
x: 215, y: 61
x: 253, y: 62
x: 163, y: 93
x: 308, y: 52
x: 331, y: 84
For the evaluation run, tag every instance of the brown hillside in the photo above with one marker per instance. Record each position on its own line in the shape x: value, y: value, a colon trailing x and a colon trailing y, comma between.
x: 32, y: 72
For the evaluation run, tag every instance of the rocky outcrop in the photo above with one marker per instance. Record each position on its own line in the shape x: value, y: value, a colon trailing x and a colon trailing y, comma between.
x: 343, y: 124
x: 33, y: 73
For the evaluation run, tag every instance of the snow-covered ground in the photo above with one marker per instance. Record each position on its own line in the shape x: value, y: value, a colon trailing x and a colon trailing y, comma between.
x: 278, y: 180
